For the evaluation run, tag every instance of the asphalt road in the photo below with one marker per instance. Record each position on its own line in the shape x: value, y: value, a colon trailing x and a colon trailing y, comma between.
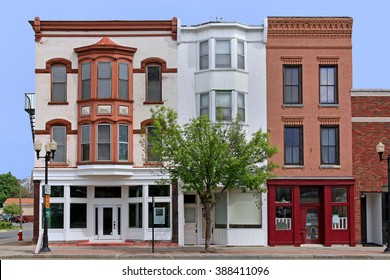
x: 7, y: 236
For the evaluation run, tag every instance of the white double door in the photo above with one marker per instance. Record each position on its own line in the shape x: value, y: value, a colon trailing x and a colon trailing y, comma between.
x: 107, y: 222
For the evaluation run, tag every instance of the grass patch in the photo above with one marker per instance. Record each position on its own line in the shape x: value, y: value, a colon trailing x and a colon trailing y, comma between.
x: 6, y: 225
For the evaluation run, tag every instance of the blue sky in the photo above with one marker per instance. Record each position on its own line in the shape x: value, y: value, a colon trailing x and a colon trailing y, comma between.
x: 370, y: 46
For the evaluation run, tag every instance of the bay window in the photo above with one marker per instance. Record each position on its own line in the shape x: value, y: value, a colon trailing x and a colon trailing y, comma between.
x: 104, y: 142
x: 85, y: 142
x: 123, y: 142
x: 222, y: 54
x: 204, y: 55
x: 85, y: 81
x: 223, y: 105
x: 104, y: 79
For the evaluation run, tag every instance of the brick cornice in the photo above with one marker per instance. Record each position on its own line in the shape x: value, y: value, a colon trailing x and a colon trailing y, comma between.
x: 292, y: 120
x: 329, y: 120
x: 312, y: 27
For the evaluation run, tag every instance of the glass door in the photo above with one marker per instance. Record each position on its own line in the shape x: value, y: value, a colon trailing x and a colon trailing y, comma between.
x: 107, y: 221
x: 311, y: 223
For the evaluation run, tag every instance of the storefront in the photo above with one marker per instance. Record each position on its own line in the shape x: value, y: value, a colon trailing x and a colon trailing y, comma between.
x: 311, y: 211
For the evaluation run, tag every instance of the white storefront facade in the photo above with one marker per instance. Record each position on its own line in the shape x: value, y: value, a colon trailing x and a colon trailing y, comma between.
x: 223, y: 66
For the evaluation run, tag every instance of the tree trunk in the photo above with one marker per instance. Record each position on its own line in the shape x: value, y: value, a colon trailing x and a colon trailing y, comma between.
x: 208, y: 228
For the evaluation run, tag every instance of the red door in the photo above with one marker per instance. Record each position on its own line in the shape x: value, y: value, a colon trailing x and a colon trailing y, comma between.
x: 311, y: 222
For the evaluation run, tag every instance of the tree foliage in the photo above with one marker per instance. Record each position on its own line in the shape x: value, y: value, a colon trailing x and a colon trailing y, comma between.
x: 210, y: 158
x: 12, y: 209
x: 9, y: 187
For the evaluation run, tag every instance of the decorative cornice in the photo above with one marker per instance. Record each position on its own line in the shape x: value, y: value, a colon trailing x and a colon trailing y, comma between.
x: 169, y: 27
x: 105, y: 45
x: 291, y: 59
x: 328, y: 59
x: 329, y: 120
x: 293, y: 120
x: 311, y: 27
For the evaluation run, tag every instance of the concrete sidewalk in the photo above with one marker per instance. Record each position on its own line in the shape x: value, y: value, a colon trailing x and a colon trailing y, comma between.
x: 26, y: 250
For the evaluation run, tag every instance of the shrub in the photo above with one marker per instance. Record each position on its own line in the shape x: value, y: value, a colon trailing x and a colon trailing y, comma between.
x: 5, y: 225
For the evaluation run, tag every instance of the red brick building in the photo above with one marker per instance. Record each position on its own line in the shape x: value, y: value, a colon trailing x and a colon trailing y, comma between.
x: 309, y: 78
x: 370, y: 125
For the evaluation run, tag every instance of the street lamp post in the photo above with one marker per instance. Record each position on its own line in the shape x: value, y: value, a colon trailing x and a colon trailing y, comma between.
x: 380, y: 148
x: 50, y: 149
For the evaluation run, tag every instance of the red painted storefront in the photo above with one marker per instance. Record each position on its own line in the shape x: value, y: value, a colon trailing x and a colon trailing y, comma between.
x: 311, y: 211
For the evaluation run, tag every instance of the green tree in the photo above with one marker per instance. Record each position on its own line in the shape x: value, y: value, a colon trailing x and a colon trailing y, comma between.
x: 9, y: 187
x: 12, y: 209
x: 210, y: 158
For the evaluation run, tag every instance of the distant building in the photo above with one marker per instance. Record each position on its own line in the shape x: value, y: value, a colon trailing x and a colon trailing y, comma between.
x: 27, y: 206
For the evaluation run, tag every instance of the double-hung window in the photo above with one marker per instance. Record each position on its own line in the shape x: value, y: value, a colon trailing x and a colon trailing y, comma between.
x: 292, y: 83
x: 85, y: 142
x: 150, y: 156
x: 153, y: 83
x: 328, y: 85
x: 204, y: 104
x: 222, y: 54
x: 240, y: 55
x: 204, y: 55
x: 58, y: 80
x: 104, y: 79
x: 293, y: 145
x: 123, y: 142
x: 59, y: 135
x: 86, y: 81
x: 123, y: 83
x: 241, y: 106
x: 223, y: 105
x: 330, y: 145
x: 104, y: 142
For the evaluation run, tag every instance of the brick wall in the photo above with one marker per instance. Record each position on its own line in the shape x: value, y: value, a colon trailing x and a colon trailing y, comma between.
x: 310, y: 42
x: 370, y: 125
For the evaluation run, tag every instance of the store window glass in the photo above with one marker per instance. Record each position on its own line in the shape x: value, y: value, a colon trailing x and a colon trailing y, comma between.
x: 283, y: 195
x: 78, y: 215
x: 339, y: 195
x: 283, y: 218
x: 339, y: 217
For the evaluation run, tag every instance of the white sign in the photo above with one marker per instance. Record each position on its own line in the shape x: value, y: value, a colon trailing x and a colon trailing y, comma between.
x: 159, y: 215
x: 47, y: 189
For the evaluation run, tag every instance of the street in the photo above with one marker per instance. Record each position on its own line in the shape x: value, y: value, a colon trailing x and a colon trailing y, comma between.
x: 12, y: 235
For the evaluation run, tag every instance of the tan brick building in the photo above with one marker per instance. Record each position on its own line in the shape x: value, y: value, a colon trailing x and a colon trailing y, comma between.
x: 309, y: 78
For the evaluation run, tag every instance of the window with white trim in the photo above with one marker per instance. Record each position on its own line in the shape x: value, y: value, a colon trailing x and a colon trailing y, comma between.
x: 204, y: 104
x: 222, y: 54
x: 240, y: 55
x: 204, y: 55
x: 223, y: 103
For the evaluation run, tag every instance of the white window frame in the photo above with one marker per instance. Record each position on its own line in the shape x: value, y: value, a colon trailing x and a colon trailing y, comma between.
x: 221, y: 53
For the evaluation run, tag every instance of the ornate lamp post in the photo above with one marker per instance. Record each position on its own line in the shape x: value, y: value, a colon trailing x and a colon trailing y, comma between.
x: 380, y: 148
x: 50, y: 149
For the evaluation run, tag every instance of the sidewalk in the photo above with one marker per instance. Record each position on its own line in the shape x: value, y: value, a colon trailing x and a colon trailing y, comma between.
x: 25, y: 250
